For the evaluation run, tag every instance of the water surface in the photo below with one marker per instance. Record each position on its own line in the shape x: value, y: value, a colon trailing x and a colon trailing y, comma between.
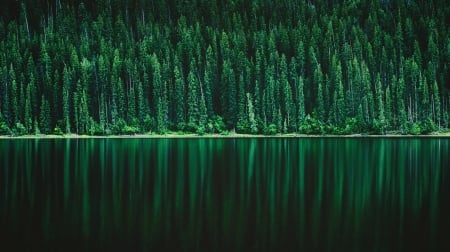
x: 315, y: 194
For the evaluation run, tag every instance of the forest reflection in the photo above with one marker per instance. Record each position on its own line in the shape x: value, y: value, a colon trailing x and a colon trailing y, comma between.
x: 225, y: 194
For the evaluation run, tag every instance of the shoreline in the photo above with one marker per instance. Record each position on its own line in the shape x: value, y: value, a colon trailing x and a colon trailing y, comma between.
x: 231, y: 136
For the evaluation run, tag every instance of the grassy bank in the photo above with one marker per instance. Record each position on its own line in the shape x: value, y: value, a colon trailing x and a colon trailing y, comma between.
x: 230, y: 135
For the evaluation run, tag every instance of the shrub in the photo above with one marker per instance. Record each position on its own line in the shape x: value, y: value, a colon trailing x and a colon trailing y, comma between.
x: 57, y: 131
x: 414, y: 129
x: 311, y: 126
x: 148, y: 123
x: 242, y: 127
x: 428, y: 126
x: 201, y: 130
x: 4, y: 129
x: 19, y: 129
x: 118, y: 126
x: 351, y: 126
x: 217, y: 125
x: 130, y: 130
x: 190, y: 127
x: 271, y: 129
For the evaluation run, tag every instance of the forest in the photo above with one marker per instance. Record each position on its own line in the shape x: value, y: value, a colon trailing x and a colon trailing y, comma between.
x: 217, y: 66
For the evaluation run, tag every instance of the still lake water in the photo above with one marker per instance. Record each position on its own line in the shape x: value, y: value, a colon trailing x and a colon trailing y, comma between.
x: 265, y: 194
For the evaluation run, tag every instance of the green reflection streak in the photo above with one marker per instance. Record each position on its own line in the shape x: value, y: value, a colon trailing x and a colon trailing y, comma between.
x: 47, y: 159
x: 4, y: 149
x: 103, y: 208
x: 131, y: 191
x: 179, y: 182
x: 273, y: 177
x: 301, y: 192
x: 335, y: 210
x: 380, y: 173
x: 317, y: 202
x: 435, y: 166
x: 286, y: 183
x: 116, y: 191
x: 401, y: 181
x: 193, y: 170
x: 29, y: 177
x: 66, y: 169
x: 14, y: 182
x: 251, y: 168
x: 85, y: 204
x: 241, y: 192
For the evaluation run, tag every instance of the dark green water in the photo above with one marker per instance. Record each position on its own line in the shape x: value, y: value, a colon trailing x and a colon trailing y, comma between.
x: 319, y: 194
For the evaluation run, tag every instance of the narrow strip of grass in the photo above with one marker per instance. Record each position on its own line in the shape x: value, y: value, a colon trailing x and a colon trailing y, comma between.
x: 230, y: 135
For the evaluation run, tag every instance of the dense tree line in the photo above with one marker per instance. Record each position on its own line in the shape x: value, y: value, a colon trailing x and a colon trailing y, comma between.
x: 260, y: 66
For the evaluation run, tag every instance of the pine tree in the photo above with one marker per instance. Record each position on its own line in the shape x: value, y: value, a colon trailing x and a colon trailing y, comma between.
x: 142, y: 106
x: 44, y: 117
x: 286, y: 96
x: 389, y: 108
x: 251, y: 115
x: 318, y: 80
x: 5, y: 88
x: 210, y: 80
x: 401, y: 108
x: 424, y: 98
x: 301, y: 103
x: 242, y: 117
x: 28, y: 111
x: 131, y: 106
x: 228, y: 101
x: 179, y: 91
x: 66, y: 99
x: 436, y: 105
x: 14, y: 97
x: 381, y: 119
x: 159, y: 96
x: 193, y: 112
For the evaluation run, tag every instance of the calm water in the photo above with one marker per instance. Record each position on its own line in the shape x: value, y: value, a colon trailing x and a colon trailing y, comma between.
x: 225, y: 194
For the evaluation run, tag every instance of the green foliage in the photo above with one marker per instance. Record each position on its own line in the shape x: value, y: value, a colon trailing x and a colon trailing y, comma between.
x: 312, y: 126
x: 4, y: 129
x: 415, y: 129
x: 57, y: 131
x: 352, y: 126
x: 130, y: 130
x: 96, y: 129
x: 118, y: 127
x: 101, y: 70
x: 190, y: 128
x: 216, y: 125
x: 18, y: 130
x: 44, y: 117
x: 271, y: 129
x: 148, y: 123
x: 428, y: 126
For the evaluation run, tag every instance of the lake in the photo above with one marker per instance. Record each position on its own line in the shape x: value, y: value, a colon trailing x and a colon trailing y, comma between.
x: 206, y: 194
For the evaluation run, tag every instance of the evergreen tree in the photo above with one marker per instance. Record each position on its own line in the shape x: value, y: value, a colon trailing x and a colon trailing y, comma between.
x: 28, y: 111
x: 44, y: 117
x: 160, y: 96
x: 318, y: 80
x: 179, y: 91
x: 193, y: 113
x: 242, y: 117
x: 228, y: 101
x: 436, y: 107
x: 66, y: 99
x: 301, y: 103
x: 381, y: 118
